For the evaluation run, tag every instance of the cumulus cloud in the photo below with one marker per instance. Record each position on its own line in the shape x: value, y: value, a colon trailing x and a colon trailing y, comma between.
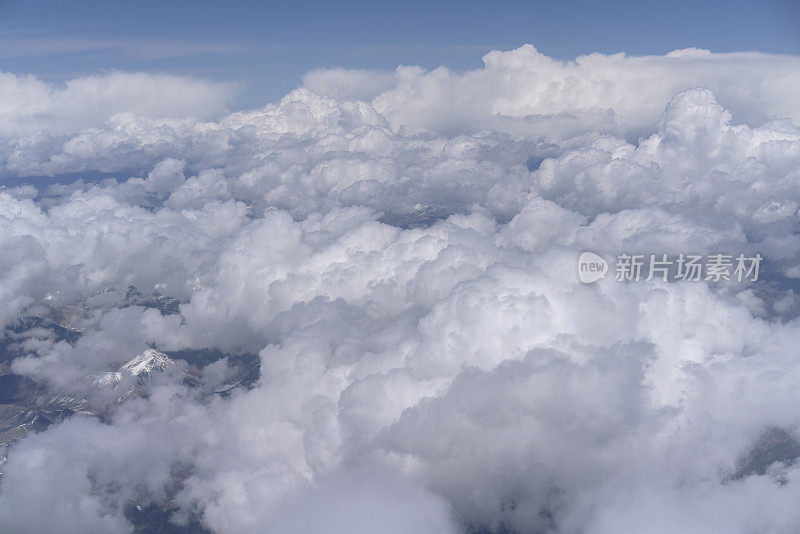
x: 370, y: 287
x: 351, y: 84
x: 33, y: 106
x: 525, y: 92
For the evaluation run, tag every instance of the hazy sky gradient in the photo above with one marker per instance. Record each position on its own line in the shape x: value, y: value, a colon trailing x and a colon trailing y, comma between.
x: 268, y: 46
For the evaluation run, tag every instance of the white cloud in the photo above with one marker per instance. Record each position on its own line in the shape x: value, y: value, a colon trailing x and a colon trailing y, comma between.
x: 350, y: 84
x: 404, y: 269
x: 527, y: 93
x: 31, y: 106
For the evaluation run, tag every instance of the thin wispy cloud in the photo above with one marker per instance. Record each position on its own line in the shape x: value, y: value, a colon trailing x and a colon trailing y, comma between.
x: 145, y: 49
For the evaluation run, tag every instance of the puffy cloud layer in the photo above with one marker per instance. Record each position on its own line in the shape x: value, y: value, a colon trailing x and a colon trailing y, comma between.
x: 31, y: 106
x: 404, y: 267
x: 527, y: 93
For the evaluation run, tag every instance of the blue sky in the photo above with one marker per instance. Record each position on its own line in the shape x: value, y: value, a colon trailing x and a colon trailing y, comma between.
x: 266, y: 47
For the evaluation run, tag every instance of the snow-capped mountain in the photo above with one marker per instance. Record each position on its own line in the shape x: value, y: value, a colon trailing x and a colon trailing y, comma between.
x: 28, y: 408
x: 146, y: 362
x: 149, y: 360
